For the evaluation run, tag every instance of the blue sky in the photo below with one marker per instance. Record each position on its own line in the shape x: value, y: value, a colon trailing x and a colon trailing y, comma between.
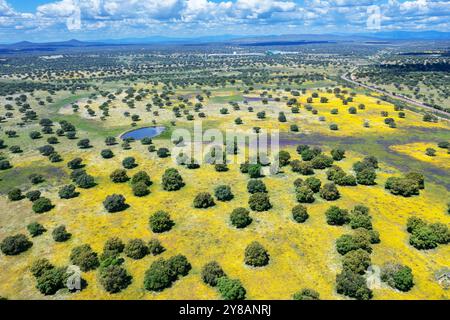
x: 45, y: 20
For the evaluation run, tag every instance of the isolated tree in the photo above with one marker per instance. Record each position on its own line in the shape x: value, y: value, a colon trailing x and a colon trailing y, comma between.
x: 259, y: 202
x: 223, y: 193
x: 84, y: 257
x: 240, y: 218
x: 256, y: 185
x: 230, y: 289
x: 337, y: 216
x: 160, y: 221
x: 329, y: 192
x: 14, y: 245
x: 172, y: 180
x: 256, y: 255
x: 136, y: 249
x: 115, y: 203
x: 211, y: 273
x: 306, y: 294
x: 42, y: 205
x: 203, y: 200
x: 300, y: 213
x: 397, y: 276
x: 60, y: 234
x: 352, y: 285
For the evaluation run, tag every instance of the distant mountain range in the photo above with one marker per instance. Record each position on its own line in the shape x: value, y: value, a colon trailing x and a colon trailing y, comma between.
x: 268, y: 40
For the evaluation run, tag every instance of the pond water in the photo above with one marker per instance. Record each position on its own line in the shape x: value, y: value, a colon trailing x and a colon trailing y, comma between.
x: 141, y: 133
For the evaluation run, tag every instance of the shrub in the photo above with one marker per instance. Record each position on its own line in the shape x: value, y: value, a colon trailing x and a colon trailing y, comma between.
x: 303, y: 168
x: 42, y: 205
x: 119, y: 176
x: 46, y: 150
x: 304, y: 194
x: 397, y: 276
x: 5, y: 164
x: 172, y: 180
x: 223, y: 193
x: 230, y: 289
x: 338, y: 154
x: 158, y: 276
x: 33, y: 195
x: 84, y: 144
x: 114, y: 278
x: 84, y: 257
x: 313, y: 183
x: 256, y: 255
x: 39, y: 266
x: 136, y: 249
x: 107, y: 154
x: 402, y: 186
x: 178, y: 266
x: 347, y: 243
x: 306, y: 294
x: 353, y: 285
x: 334, y: 127
x: 221, y: 167
x: 85, y: 181
x: 441, y: 232
x: 417, y: 177
x: 163, y: 153
x: 423, y: 238
x: 356, y: 261
x: 36, y: 178
x: 366, y: 177
x: 155, y: 247
x: 254, y: 171
x: 360, y: 220
x: 204, y: 200
x: 329, y: 192
x: 15, y: 194
x: 129, y: 163
x: 146, y: 141
x: 240, y: 218
x: 76, y: 163
x: 141, y: 177
x: 336, y: 216
x: 52, y: 280
x: 211, y: 273
x: 115, y: 203
x: 140, y: 189
x: 321, y: 161
x: 113, y: 246
x: 283, y: 158
x: 14, y: 245
x: 160, y: 222
x: 68, y: 192
x: 300, y: 213
x: 255, y: 185
x: 259, y: 202
x: 60, y: 234
x: 35, y: 229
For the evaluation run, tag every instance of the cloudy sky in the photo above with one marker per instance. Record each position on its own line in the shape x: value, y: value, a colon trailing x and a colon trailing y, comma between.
x: 44, y: 20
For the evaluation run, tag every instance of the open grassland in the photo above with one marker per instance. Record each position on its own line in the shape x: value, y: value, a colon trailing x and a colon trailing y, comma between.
x: 301, y: 255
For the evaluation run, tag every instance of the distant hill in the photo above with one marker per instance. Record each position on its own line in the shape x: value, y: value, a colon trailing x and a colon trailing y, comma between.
x: 266, y: 40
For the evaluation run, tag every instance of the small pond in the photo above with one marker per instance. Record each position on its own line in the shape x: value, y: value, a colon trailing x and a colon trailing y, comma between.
x: 141, y: 133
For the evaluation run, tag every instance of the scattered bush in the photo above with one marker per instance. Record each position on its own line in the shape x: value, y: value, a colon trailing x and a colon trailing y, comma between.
x: 211, y: 273
x: 321, y: 161
x: 397, y: 276
x: 259, y: 202
x: 33, y: 195
x: 172, y: 180
x: 50, y: 281
x: 353, y: 285
x: 329, y: 192
x: 76, y: 163
x: 304, y: 194
x: 68, y: 192
x: 15, y: 194
x: 60, y: 234
x: 306, y: 294
x: 356, y: 261
x: 84, y: 257
x: 230, y: 289
x: 115, y: 203
x: 155, y: 247
x: 240, y: 218
x: 114, y: 278
x: 107, y: 154
x: 35, y: 229
x: 160, y: 222
x: 366, y: 177
x: 113, y: 246
x: 42, y: 205
x: 136, y: 249
x: 256, y: 255
x: 256, y: 185
x: 204, y: 200
x: 300, y: 213
x: 141, y: 177
x: 129, y: 163
x: 313, y: 183
x: 347, y: 243
x: 336, y: 216
x: 85, y: 181
x: 223, y: 193
x: 14, y: 245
